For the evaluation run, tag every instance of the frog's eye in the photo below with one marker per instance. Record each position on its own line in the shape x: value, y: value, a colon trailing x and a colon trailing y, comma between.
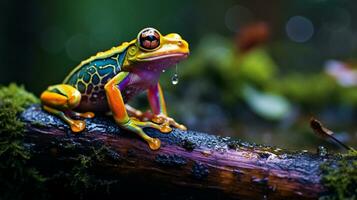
x: 149, y: 39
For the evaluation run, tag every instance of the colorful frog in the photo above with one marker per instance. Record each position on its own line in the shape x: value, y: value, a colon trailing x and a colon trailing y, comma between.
x: 108, y: 80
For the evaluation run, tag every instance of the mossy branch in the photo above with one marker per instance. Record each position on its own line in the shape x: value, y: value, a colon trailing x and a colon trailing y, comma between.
x: 108, y: 162
x: 188, y: 160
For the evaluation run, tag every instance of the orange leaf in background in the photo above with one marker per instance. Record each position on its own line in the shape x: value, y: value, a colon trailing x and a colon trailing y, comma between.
x: 252, y: 35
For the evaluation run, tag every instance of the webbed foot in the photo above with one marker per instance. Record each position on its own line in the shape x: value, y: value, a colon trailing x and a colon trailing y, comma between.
x: 137, y: 126
x: 77, y: 125
x: 166, y: 122
x: 155, y: 144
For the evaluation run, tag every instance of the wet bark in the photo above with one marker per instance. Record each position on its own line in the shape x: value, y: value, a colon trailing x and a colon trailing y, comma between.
x: 189, y: 165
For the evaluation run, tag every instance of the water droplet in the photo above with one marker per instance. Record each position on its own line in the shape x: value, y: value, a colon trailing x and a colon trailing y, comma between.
x: 175, y: 79
x: 163, y: 70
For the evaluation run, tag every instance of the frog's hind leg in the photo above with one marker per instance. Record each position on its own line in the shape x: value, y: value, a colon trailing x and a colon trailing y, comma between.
x: 59, y: 99
x: 76, y: 125
x: 87, y: 115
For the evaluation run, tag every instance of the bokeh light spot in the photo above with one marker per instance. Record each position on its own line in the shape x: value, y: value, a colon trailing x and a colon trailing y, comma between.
x: 299, y: 29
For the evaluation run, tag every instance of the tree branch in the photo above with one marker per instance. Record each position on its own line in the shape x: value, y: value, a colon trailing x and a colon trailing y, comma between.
x: 189, y: 164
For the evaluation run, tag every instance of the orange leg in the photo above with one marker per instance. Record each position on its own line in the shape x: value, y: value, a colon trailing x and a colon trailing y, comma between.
x: 59, y: 99
x: 117, y: 106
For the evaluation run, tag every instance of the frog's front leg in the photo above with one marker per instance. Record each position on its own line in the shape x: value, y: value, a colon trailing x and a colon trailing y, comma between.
x: 158, y: 107
x: 120, y: 114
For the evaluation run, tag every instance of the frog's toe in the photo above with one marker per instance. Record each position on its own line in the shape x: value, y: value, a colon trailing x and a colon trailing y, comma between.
x: 77, y: 126
x: 177, y: 125
x: 145, y: 124
x: 166, y: 122
x: 158, y: 119
x: 136, y: 126
x: 181, y: 127
x: 165, y: 127
x: 154, y: 143
x: 88, y: 115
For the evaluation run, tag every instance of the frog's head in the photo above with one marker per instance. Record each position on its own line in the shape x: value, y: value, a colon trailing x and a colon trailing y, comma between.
x: 155, y: 52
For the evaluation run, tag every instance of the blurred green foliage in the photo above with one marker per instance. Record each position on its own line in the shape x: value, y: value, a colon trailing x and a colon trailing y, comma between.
x: 43, y: 40
x: 277, y: 94
x: 217, y: 59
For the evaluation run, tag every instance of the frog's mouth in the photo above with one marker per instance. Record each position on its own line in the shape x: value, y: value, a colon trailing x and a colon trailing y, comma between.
x: 161, y: 62
x: 166, y: 56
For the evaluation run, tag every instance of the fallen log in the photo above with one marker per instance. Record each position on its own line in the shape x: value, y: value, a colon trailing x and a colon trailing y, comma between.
x: 188, y: 165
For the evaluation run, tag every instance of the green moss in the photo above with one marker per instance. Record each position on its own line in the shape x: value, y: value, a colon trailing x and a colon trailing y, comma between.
x: 80, y: 177
x: 340, y: 178
x: 17, y: 180
x: 80, y: 180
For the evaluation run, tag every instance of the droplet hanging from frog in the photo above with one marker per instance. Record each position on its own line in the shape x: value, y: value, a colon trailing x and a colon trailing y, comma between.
x: 175, y: 78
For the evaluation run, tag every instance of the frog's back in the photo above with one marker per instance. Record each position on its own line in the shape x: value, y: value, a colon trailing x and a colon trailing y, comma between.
x: 90, y: 77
